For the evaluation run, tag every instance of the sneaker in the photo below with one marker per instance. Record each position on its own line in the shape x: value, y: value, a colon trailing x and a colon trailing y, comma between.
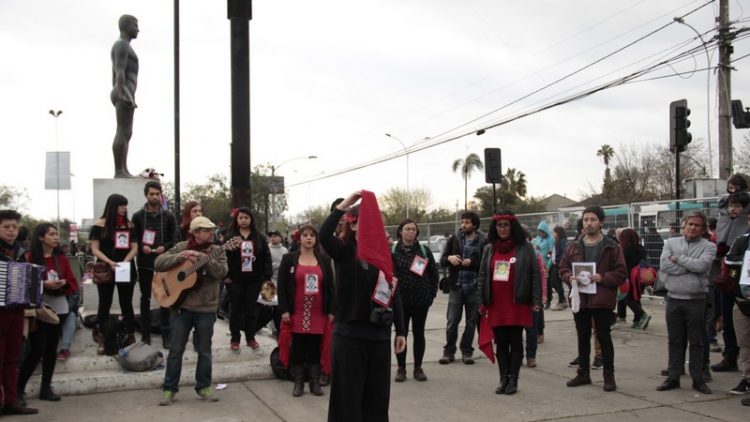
x: 467, y: 359
x: 207, y: 394
x: 575, y: 363
x: 715, y: 348
x: 446, y: 359
x: 558, y: 307
x: 253, y: 344
x: 745, y: 401
x: 742, y: 388
x: 64, y: 355
x: 645, y: 319
x: 235, y: 346
x: 531, y: 362
x: 167, y: 398
x: 597, y: 364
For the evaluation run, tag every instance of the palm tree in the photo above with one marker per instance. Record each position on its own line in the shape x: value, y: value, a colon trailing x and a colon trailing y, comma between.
x: 514, y: 182
x: 606, y: 152
x: 467, y: 166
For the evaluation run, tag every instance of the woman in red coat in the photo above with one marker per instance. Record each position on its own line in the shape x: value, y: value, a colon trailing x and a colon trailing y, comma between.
x: 510, y: 284
x: 45, y: 250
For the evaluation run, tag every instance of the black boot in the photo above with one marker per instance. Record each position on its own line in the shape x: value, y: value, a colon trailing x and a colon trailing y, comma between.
x: 583, y: 377
x: 503, y: 368
x: 516, y: 359
x: 315, y: 380
x: 298, y: 375
x: 47, y: 393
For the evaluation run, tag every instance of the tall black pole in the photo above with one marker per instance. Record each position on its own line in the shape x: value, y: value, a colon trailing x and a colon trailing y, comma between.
x: 177, y: 107
x: 239, y: 14
x: 677, y: 183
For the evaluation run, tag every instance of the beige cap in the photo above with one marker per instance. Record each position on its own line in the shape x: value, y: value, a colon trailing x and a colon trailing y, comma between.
x: 201, y: 223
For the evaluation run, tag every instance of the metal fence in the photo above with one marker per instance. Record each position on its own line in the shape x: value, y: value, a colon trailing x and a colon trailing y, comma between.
x: 654, y: 221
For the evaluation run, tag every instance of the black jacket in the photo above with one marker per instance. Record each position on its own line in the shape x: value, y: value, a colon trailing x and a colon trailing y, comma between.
x: 527, y: 283
x: 165, y: 226
x: 262, y: 266
x: 287, y: 285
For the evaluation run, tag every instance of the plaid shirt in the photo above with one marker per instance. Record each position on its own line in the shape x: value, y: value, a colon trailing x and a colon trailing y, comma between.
x: 467, y: 279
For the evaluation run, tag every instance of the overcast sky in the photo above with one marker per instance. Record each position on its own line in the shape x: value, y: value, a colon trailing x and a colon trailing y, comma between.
x: 331, y: 77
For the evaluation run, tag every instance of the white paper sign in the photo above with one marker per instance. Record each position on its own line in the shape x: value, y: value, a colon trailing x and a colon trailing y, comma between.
x: 122, y: 272
x: 745, y: 276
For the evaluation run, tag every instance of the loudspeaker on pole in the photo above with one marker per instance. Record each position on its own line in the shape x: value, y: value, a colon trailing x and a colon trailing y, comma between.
x: 493, y: 171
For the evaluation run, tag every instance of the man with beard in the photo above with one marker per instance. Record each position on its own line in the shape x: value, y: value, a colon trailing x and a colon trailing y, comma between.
x: 462, y: 257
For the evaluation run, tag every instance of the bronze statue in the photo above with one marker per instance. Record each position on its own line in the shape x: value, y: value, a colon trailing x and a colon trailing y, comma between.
x: 124, y: 82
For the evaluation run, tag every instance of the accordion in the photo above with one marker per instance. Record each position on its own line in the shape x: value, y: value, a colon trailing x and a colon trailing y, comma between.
x: 21, y: 285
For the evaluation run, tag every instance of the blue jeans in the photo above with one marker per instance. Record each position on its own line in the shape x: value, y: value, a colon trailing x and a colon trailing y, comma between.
x: 458, y: 301
x: 69, y: 322
x: 532, y: 333
x: 181, y: 322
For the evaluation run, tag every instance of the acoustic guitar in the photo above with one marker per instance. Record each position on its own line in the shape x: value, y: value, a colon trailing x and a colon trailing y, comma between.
x: 170, y: 287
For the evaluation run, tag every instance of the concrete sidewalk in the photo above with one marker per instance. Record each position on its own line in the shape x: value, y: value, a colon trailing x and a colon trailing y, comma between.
x: 454, y: 392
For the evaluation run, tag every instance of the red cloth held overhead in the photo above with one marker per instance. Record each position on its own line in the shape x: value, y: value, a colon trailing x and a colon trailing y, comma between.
x: 372, y: 244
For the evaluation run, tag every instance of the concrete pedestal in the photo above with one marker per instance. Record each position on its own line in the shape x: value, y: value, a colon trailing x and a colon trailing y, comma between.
x: 129, y: 188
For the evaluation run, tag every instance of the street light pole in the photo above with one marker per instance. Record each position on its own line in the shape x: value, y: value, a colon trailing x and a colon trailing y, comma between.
x: 406, y: 152
x: 708, y: 94
x: 273, y: 192
x: 56, y: 114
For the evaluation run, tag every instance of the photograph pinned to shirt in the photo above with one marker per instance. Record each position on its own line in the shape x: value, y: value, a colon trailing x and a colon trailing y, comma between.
x: 246, y: 248
x: 582, y: 271
x: 383, y: 293
x: 502, y: 271
x: 418, y: 265
x: 122, y: 239
x: 311, y: 284
x: 149, y: 237
x: 247, y: 264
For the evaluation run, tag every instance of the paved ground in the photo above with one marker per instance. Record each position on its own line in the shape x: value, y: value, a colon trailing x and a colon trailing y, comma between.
x: 454, y: 392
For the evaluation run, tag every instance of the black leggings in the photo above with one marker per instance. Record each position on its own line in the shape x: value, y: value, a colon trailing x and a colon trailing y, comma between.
x: 305, y: 349
x: 124, y: 294
x: 243, y: 297
x: 418, y: 317
x: 555, y: 283
x: 42, y: 347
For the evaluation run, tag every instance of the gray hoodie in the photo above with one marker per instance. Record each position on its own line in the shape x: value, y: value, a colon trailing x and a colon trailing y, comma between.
x: 688, y: 277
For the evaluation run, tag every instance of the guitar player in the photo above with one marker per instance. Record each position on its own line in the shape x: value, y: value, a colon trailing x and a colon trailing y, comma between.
x: 197, y: 311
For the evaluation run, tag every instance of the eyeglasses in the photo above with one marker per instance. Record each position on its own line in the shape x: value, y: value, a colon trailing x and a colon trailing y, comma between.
x: 409, y: 229
x: 503, y: 224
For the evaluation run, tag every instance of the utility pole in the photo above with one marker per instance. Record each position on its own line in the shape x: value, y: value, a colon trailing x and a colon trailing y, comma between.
x: 240, y: 14
x: 176, y: 107
x: 725, y: 92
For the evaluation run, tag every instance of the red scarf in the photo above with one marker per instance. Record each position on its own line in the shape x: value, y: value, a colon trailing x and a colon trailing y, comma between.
x: 504, y: 246
x: 121, y: 221
x: 372, y: 245
x: 195, y: 246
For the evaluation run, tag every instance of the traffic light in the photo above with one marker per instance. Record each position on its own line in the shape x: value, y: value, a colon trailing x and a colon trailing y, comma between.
x: 679, y: 136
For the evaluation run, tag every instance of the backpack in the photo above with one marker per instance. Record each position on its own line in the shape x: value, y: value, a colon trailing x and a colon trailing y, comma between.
x: 139, y: 357
x: 114, y: 335
x: 646, y: 274
x: 278, y: 368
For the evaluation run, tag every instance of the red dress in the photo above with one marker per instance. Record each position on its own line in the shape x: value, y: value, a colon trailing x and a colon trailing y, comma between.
x: 503, y: 311
x: 308, y: 316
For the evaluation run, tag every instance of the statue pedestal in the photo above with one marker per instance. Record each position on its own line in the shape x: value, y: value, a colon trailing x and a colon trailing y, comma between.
x: 130, y: 188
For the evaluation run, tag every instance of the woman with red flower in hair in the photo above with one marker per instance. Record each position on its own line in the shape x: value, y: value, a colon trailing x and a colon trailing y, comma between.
x: 510, y: 286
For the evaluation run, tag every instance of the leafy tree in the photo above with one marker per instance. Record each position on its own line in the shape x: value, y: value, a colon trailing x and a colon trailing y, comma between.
x: 13, y: 198
x: 313, y: 215
x: 467, y: 166
x: 742, y: 158
x: 393, y: 204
